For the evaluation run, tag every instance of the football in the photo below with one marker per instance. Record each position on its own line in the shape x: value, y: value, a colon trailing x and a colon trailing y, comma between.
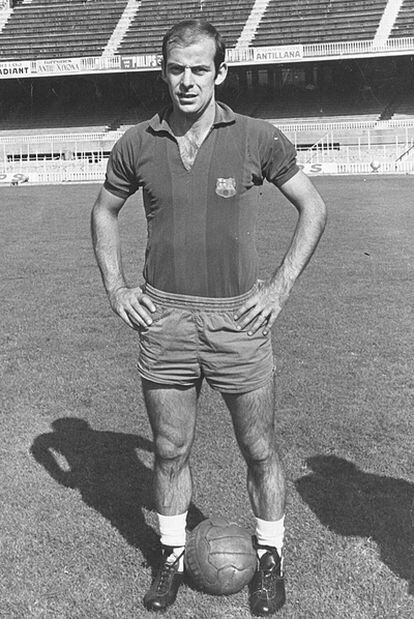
x: 220, y: 557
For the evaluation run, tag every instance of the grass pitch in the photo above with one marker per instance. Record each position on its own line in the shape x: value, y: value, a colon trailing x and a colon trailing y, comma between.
x: 78, y: 528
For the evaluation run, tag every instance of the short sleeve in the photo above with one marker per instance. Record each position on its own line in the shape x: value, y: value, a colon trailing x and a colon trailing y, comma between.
x: 278, y: 157
x: 121, y: 178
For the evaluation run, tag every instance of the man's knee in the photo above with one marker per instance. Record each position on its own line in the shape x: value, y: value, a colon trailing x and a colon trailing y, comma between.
x: 170, y: 449
x: 259, y: 450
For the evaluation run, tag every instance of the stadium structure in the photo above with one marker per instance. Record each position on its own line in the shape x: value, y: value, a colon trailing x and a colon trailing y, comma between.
x: 337, y: 76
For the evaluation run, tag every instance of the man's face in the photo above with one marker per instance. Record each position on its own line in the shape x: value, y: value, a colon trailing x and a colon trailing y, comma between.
x: 190, y: 74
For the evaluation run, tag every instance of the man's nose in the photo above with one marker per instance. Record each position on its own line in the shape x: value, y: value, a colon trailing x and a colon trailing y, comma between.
x: 187, y: 79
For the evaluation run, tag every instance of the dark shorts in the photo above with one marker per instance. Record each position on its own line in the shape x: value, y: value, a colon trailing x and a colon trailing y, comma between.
x: 196, y: 337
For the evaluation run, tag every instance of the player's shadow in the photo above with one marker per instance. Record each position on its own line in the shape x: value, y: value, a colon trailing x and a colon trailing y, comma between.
x: 351, y: 502
x: 105, y: 468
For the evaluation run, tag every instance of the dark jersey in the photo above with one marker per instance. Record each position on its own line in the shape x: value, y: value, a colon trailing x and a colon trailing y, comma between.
x: 201, y: 222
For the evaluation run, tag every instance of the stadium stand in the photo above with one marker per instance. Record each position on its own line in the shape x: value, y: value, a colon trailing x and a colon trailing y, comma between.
x: 154, y: 18
x: 54, y: 28
x: 332, y: 109
x: 404, y: 24
x: 318, y: 21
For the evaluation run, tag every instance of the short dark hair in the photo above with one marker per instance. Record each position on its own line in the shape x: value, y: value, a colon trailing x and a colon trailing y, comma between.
x: 186, y: 32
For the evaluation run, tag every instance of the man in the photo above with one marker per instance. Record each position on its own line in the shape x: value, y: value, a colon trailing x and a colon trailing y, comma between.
x: 202, y: 313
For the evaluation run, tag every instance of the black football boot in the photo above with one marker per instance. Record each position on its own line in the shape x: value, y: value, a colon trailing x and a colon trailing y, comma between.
x: 164, y: 587
x: 267, y: 588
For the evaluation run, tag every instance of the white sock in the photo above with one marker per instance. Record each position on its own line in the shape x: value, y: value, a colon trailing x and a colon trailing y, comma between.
x: 172, y: 533
x: 270, y: 533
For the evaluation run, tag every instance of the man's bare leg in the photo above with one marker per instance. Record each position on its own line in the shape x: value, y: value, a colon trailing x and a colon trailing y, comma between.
x: 172, y: 415
x: 253, y: 420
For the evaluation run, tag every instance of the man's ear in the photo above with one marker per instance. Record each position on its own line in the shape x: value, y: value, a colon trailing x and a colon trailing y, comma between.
x: 221, y: 74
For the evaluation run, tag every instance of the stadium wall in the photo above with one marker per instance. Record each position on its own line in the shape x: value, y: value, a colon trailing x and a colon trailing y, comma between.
x: 90, y: 65
x: 259, y: 77
x: 82, y: 158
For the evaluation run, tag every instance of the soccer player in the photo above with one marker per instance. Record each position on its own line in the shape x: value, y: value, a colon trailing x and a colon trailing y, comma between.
x: 202, y: 313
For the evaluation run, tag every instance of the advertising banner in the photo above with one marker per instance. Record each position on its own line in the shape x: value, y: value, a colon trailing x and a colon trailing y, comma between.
x: 17, y: 178
x: 319, y: 168
x: 55, y: 66
x: 147, y: 61
x: 15, y: 68
x: 265, y: 55
x: 139, y: 62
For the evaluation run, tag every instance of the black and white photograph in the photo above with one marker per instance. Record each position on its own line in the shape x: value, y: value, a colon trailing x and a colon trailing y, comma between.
x: 207, y: 294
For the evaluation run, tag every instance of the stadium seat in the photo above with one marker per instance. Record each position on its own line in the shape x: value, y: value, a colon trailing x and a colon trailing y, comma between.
x: 318, y: 21
x: 404, y: 24
x: 153, y: 19
x: 53, y: 29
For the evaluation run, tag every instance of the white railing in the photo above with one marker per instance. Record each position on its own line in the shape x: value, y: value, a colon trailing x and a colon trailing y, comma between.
x: 407, y: 152
x: 388, y: 167
x: 326, y: 151
x: 43, y: 138
x: 92, y: 173
x: 55, y: 177
x: 307, y: 126
x: 47, y: 172
x: 324, y: 145
x: 319, y: 125
x: 358, y: 48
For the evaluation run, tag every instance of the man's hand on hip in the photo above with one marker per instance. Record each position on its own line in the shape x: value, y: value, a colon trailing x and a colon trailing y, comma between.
x: 133, y: 306
x: 262, y: 309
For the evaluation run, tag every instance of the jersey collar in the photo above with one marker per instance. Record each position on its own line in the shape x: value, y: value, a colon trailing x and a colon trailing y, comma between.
x: 223, y: 116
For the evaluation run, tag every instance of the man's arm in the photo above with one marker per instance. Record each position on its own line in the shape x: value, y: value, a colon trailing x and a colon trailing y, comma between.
x: 261, y: 310
x: 131, y: 304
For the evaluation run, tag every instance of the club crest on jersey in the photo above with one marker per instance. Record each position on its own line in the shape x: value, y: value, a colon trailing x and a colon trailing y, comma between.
x: 226, y: 187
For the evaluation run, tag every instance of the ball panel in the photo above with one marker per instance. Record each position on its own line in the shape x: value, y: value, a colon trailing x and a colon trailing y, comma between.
x: 220, y: 556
